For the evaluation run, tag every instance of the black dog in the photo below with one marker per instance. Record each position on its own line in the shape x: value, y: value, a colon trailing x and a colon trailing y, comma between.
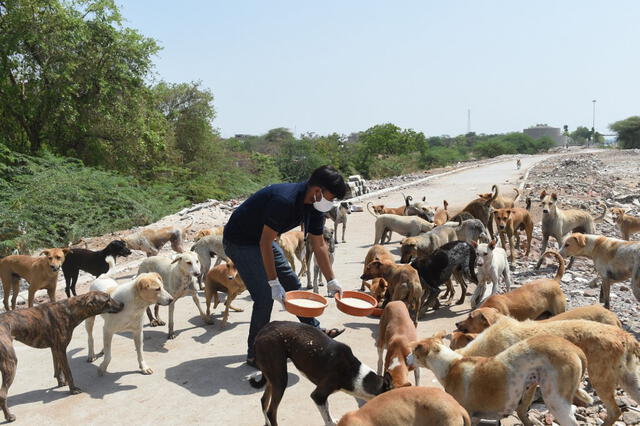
x: 330, y: 365
x: 93, y: 262
x: 457, y: 258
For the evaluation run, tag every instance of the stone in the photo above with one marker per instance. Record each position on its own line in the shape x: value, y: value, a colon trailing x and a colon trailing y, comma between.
x: 631, y: 417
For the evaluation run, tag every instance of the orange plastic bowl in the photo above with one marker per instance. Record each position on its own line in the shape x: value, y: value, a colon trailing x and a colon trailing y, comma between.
x: 305, y: 311
x: 354, y: 310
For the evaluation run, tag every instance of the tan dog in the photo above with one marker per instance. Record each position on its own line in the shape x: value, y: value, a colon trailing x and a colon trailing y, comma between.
x: 376, y: 251
x: 224, y: 278
x: 151, y: 241
x: 216, y: 230
x: 613, y: 354
x: 40, y: 272
x: 491, y: 387
x: 527, y: 302
x: 379, y: 209
x: 292, y: 244
x: 409, y: 226
x: 558, y: 223
x: 378, y: 289
x: 511, y: 221
x: 627, y: 224
x: 500, y: 201
x: 614, y: 260
x: 417, y: 406
x: 404, y: 283
x: 395, y: 334
x: 442, y: 214
x: 460, y: 339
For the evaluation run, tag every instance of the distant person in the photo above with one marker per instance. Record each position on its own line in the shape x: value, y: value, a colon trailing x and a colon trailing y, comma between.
x: 249, y: 241
x: 518, y: 164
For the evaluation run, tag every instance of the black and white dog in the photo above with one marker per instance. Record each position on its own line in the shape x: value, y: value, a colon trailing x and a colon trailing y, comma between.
x: 338, y: 214
x: 330, y: 365
x: 457, y: 258
x: 93, y: 262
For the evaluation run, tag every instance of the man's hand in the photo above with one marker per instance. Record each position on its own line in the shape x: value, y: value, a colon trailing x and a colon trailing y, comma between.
x: 334, y: 287
x: 277, y: 291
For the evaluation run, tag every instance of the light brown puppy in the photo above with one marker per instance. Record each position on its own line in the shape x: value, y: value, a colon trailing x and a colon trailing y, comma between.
x: 614, y: 260
x: 500, y: 201
x: 613, y: 354
x: 527, y: 302
x: 415, y: 406
x: 378, y: 289
x: 404, y: 283
x: 40, y: 272
x: 151, y: 241
x: 224, y: 278
x: 395, y: 334
x: 376, y: 251
x: 292, y: 243
x: 491, y: 387
x: 627, y: 224
x: 510, y: 221
x: 442, y: 214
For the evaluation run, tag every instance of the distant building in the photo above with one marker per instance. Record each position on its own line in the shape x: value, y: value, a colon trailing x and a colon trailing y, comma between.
x: 540, y: 130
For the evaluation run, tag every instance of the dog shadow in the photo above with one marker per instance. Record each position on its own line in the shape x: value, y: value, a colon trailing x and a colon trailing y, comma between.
x: 373, y: 328
x: 210, y: 330
x: 86, y: 377
x: 225, y: 375
x: 443, y: 312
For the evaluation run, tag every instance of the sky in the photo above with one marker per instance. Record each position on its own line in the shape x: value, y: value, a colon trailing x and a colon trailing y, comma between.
x: 344, y: 66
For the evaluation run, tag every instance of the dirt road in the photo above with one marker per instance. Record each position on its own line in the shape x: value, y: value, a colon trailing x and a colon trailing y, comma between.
x: 199, y: 376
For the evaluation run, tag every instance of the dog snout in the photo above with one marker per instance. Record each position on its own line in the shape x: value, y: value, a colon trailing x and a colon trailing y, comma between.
x: 55, y: 268
x: 460, y: 326
x: 545, y: 211
x: 165, y: 299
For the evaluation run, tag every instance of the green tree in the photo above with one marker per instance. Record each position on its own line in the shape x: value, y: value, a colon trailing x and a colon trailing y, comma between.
x: 581, y: 135
x: 628, y: 131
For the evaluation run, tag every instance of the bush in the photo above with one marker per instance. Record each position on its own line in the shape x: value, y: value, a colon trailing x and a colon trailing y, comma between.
x: 393, y: 165
x: 440, y: 156
x: 493, y: 148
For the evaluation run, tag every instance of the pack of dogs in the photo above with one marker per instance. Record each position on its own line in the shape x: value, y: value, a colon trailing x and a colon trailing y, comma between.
x: 511, y: 342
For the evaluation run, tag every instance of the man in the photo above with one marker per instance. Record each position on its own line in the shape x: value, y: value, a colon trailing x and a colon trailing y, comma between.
x: 249, y: 241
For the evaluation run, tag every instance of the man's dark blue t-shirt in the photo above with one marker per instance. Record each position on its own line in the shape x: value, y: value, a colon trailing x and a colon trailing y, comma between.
x: 281, y: 207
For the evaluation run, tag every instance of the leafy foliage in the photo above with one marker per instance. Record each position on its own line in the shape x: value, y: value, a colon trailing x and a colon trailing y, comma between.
x: 628, y: 131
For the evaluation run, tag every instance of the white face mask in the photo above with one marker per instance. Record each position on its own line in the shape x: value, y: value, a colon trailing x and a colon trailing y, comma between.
x: 323, y: 205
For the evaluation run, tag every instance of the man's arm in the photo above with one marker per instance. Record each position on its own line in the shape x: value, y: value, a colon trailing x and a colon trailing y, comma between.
x: 266, y: 249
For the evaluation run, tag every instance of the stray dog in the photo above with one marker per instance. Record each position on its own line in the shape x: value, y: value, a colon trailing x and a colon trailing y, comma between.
x: 338, y: 214
x: 500, y: 202
x: 151, y: 241
x: 178, y: 276
x: 49, y: 325
x: 627, y: 224
x: 136, y: 295
x: 409, y: 406
x: 378, y: 252
x: 395, y: 334
x: 542, y: 296
x: 404, y: 283
x: 216, y: 230
x: 408, y: 226
x: 224, y: 278
x: 553, y: 363
x: 93, y: 262
x: 456, y: 258
x: 327, y: 235
x: 419, y: 208
x: 480, y: 208
x: 380, y: 209
x: 613, y: 355
x: 510, y: 221
x: 441, y: 216
x: 378, y: 289
x: 206, y: 248
x: 492, y: 264
x: 329, y: 364
x: 471, y: 230
x: 427, y: 243
x: 518, y: 164
x: 614, y: 260
x: 40, y: 272
x: 460, y: 339
x: 557, y: 223
x: 292, y: 244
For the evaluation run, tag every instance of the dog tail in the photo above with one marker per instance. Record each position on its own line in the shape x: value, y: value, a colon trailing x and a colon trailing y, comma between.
x: 604, y: 213
x: 517, y: 194
x: 369, y: 210
x: 528, y: 203
x: 560, y: 259
x: 445, y: 203
x: 189, y: 225
x: 257, y: 383
x: 494, y: 189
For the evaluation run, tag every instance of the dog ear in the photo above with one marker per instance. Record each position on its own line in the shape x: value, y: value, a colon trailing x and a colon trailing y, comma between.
x: 543, y: 194
x: 492, y: 244
x: 387, y: 381
x: 424, y: 199
x: 474, y: 244
x: 367, y: 285
x: 554, y: 196
x: 580, y: 239
x: 44, y: 252
x: 446, y: 204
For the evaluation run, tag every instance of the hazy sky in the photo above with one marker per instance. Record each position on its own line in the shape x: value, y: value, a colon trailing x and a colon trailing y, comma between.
x: 343, y: 66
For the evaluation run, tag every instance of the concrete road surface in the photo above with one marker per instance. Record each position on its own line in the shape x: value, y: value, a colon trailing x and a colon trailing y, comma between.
x: 200, y: 376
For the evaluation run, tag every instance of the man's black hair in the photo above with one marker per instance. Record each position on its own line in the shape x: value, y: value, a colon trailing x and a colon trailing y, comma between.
x: 327, y: 177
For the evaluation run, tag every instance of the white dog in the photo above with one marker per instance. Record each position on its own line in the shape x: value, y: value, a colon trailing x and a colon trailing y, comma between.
x: 492, y: 263
x: 136, y: 296
x: 179, y: 276
x: 206, y: 248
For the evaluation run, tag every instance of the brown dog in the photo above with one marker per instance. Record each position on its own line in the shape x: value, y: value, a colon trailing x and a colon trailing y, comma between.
x: 627, y: 224
x: 216, y: 230
x: 377, y: 251
x: 511, y: 221
x: 40, y: 272
x: 379, y: 209
x: 527, y: 302
x: 292, y: 244
x: 224, y: 278
x: 49, y: 325
x: 378, y: 289
x: 480, y: 208
x: 151, y: 241
x: 417, y: 406
x: 500, y: 201
x: 395, y: 334
x: 442, y: 214
x: 404, y: 283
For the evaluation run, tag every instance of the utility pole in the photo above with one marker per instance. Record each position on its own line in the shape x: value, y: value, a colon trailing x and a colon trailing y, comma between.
x: 469, y: 121
x: 593, y: 125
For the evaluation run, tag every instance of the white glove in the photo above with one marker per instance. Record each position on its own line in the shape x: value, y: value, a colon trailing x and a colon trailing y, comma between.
x: 277, y: 291
x: 334, y: 287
